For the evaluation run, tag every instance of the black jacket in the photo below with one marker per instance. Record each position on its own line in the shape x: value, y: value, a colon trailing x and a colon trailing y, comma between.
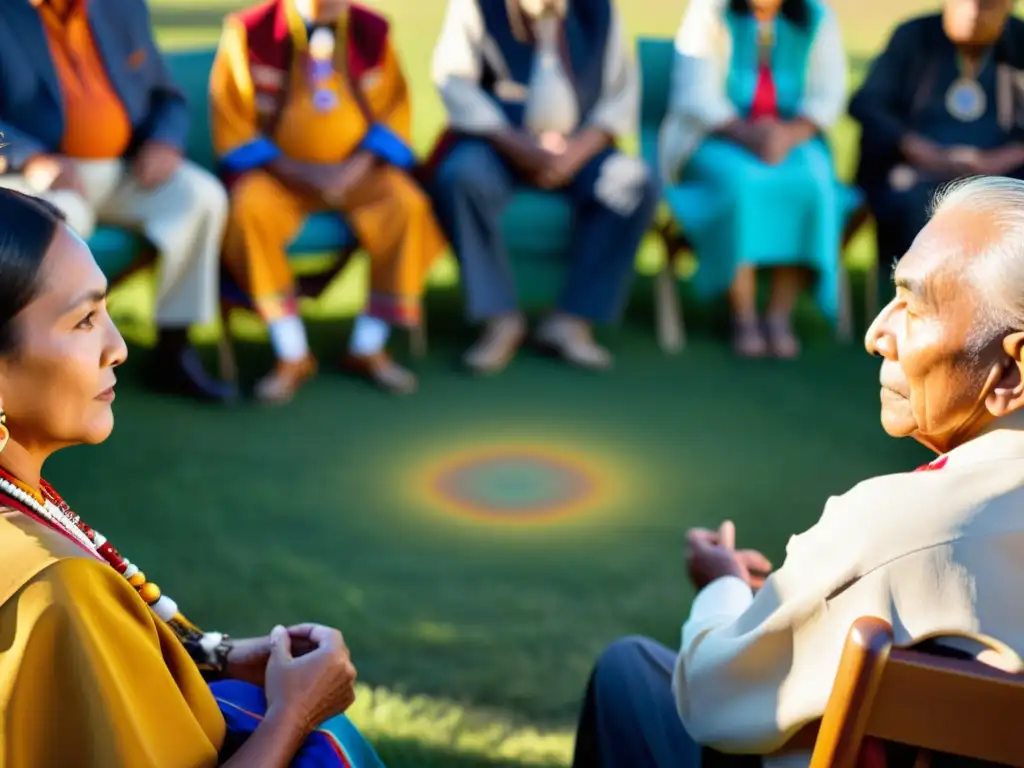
x: 901, y: 82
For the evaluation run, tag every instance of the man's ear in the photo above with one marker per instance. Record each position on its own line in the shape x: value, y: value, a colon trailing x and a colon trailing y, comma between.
x: 1005, y: 385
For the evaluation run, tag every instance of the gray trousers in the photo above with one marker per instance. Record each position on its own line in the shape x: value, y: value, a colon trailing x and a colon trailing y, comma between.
x: 614, y: 199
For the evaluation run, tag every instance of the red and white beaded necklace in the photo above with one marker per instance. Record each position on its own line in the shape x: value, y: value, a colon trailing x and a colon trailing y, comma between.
x: 51, y: 509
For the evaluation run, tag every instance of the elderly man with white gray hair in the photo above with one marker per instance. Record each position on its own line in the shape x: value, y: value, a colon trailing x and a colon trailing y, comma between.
x: 537, y: 94
x: 938, y: 552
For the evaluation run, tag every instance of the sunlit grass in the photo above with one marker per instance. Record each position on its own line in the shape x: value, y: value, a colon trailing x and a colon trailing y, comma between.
x: 474, y: 640
x: 424, y: 731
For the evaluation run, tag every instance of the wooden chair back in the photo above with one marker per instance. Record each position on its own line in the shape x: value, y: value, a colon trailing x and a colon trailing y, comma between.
x: 943, y: 705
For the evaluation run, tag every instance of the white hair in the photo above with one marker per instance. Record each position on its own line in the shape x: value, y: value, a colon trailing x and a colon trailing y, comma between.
x: 997, y: 273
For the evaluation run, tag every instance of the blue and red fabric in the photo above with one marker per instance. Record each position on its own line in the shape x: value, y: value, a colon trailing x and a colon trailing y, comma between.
x: 335, y: 744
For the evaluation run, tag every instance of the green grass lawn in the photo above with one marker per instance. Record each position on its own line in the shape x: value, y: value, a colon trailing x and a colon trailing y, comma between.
x: 481, y: 632
x: 474, y: 636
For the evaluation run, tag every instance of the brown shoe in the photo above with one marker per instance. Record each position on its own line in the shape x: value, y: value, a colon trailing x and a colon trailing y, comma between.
x: 281, y: 384
x: 382, y: 370
x: 497, y: 345
x: 571, y: 339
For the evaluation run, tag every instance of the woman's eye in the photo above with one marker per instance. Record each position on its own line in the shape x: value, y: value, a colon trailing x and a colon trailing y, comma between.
x: 86, y: 321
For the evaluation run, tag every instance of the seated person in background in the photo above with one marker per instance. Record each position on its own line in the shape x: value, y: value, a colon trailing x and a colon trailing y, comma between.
x: 537, y: 93
x: 310, y: 112
x: 98, y: 669
x: 937, y: 553
x: 943, y: 100
x: 756, y: 85
x: 93, y: 123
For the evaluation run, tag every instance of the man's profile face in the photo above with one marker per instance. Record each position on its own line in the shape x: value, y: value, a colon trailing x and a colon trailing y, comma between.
x: 932, y: 382
x: 321, y: 11
x: 975, y: 22
x: 538, y: 8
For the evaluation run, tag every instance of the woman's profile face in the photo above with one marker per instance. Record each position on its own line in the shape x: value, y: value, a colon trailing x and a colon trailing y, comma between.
x: 56, y: 385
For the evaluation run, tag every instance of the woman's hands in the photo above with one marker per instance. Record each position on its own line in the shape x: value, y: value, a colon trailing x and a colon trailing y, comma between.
x: 308, y: 678
x: 771, y: 140
x: 305, y: 669
x: 248, y: 657
x: 308, y: 687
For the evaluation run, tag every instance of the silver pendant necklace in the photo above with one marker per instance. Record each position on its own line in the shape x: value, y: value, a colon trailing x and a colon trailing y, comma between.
x: 966, y: 100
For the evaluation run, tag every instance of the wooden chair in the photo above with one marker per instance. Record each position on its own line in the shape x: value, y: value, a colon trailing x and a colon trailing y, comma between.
x: 943, y: 705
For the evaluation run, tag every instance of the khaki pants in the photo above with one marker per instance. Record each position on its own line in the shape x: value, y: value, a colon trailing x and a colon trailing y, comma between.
x: 184, y: 218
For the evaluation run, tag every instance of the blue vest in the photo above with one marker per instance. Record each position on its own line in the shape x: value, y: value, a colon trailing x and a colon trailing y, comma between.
x: 790, y: 53
x: 586, y: 26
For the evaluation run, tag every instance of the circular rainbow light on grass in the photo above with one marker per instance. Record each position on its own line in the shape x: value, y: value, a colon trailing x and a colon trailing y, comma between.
x: 516, y: 483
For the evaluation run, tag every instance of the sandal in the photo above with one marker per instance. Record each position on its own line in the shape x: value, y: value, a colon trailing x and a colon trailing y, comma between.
x: 747, y: 339
x: 781, y: 339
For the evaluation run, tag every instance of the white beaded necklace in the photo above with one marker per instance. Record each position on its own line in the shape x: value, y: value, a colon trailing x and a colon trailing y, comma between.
x: 51, y: 513
x: 208, y: 649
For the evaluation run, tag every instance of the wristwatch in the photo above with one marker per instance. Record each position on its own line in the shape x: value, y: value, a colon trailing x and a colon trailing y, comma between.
x: 216, y: 647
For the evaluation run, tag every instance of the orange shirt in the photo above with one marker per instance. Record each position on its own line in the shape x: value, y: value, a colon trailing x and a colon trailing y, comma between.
x: 305, y: 134
x: 96, y: 124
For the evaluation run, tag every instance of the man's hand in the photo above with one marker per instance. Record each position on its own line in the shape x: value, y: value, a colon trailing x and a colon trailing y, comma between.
x: 247, y: 659
x: 155, y: 163
x: 528, y: 157
x: 52, y: 172
x: 578, y: 152
x: 562, y: 167
x: 952, y: 162
x: 339, y: 182
x: 712, y: 554
x: 925, y: 155
x: 996, y: 162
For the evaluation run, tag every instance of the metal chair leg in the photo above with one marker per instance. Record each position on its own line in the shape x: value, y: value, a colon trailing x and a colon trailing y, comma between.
x: 227, y: 362
x: 418, y: 338
x: 669, y: 316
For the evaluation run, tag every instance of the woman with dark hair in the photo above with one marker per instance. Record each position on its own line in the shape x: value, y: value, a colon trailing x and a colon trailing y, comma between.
x: 97, y: 667
x: 756, y: 85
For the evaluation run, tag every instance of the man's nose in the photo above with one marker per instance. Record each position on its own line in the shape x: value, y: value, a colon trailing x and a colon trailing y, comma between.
x: 879, y: 340
x: 881, y: 344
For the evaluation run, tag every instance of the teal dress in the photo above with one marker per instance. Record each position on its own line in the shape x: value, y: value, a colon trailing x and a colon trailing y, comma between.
x: 758, y: 214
